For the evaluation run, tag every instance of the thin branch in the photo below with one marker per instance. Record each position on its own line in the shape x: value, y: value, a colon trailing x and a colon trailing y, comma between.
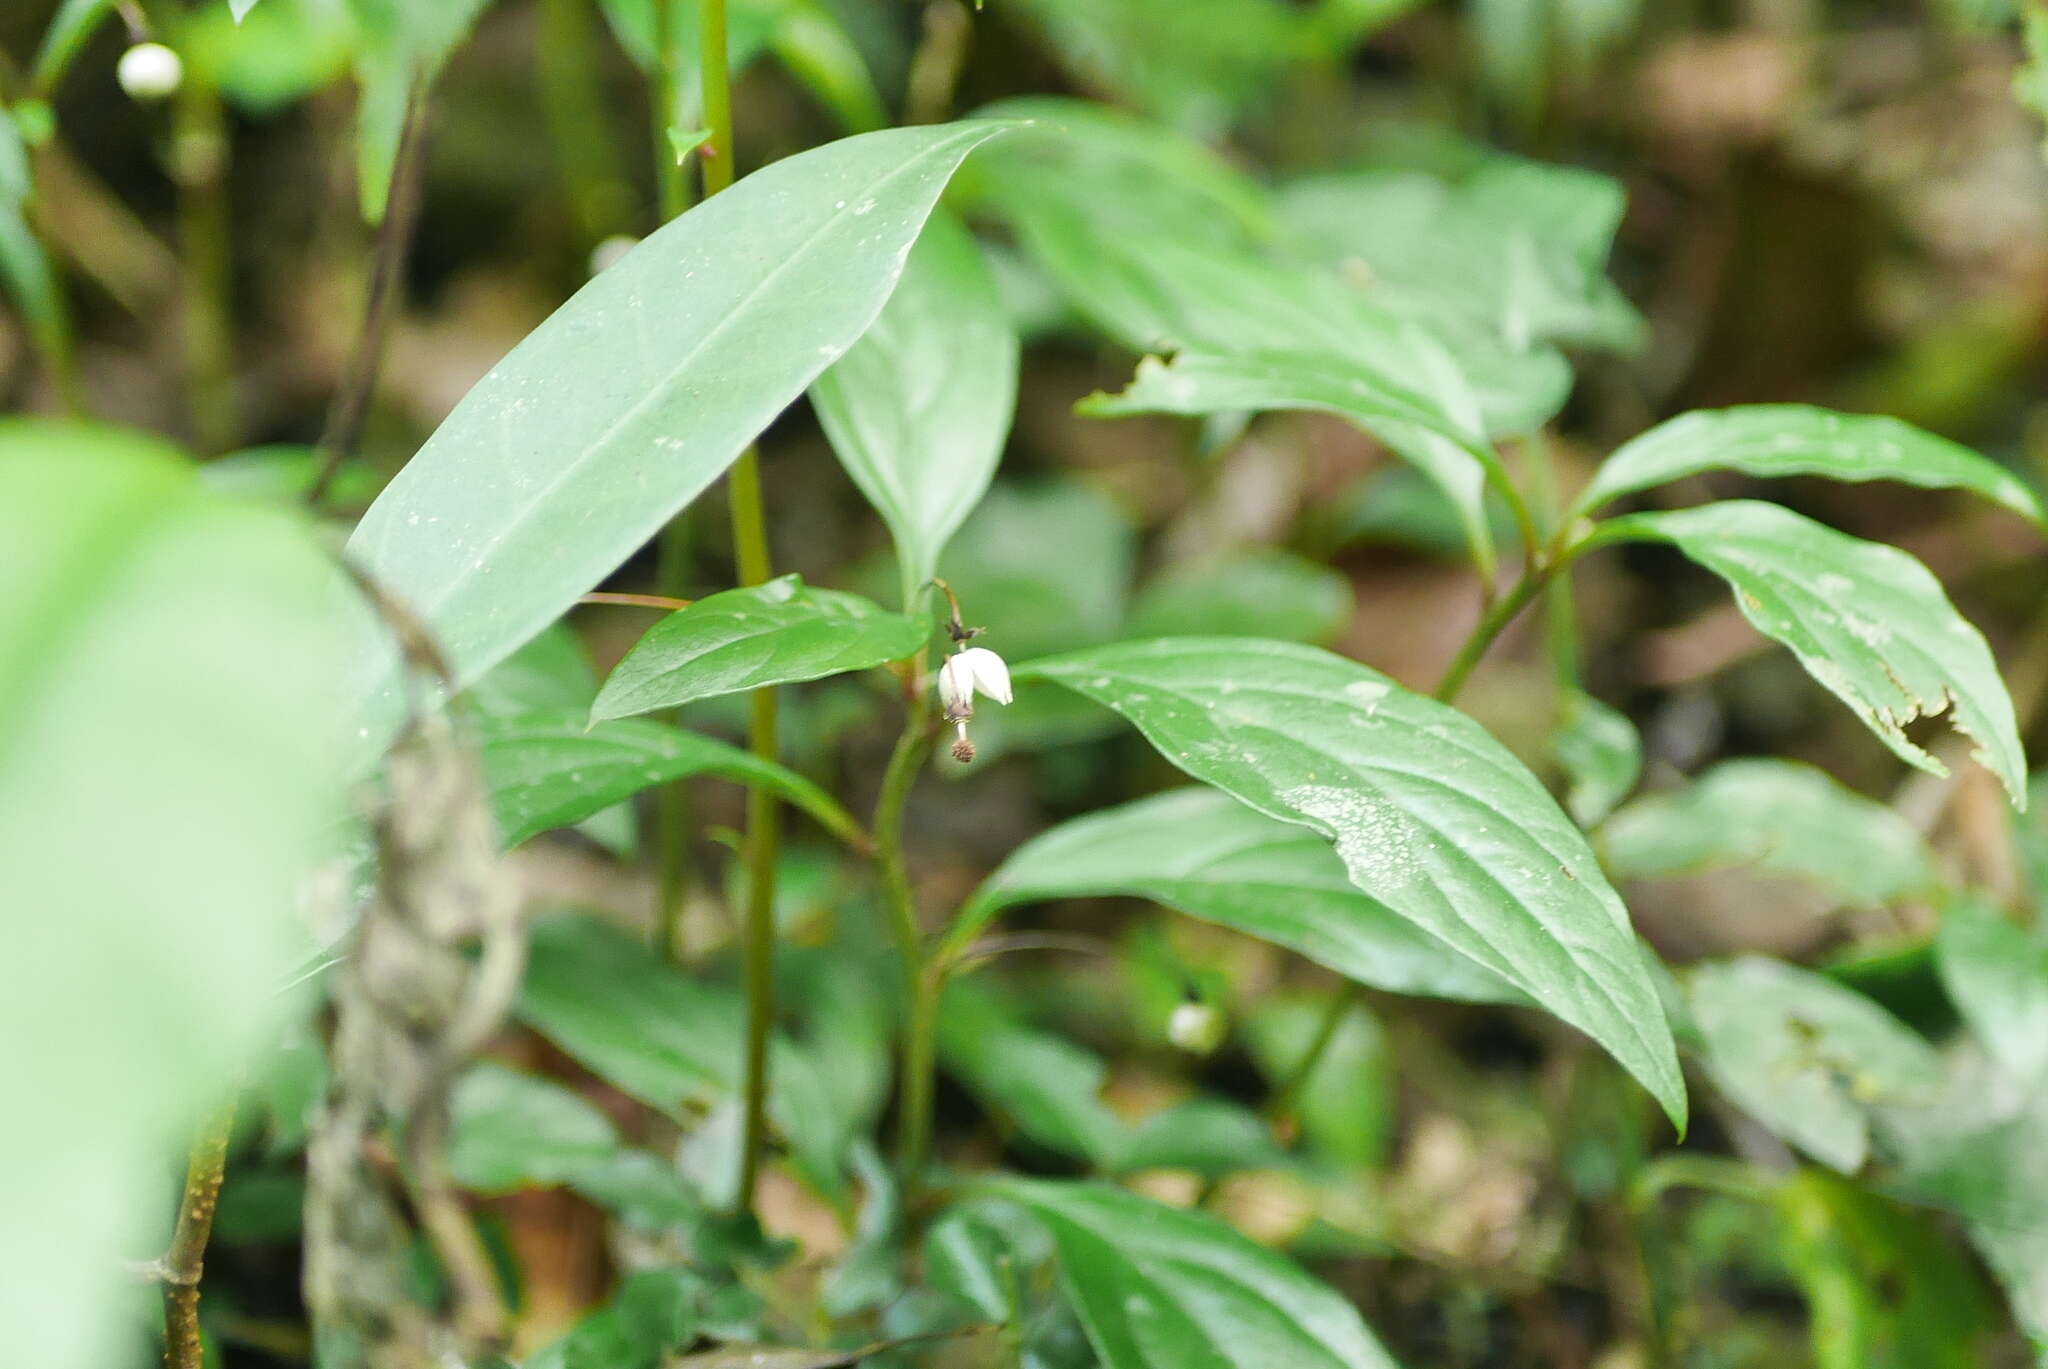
x: 394, y: 240
x: 184, y: 1263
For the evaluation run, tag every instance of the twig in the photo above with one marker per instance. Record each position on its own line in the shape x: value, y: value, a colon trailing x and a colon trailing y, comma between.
x: 661, y: 601
x: 344, y: 428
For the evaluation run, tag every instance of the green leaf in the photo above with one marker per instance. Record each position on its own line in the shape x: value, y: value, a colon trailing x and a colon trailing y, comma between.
x: 1045, y: 566
x: 513, y: 1130
x: 639, y: 392
x: 1866, y: 620
x: 1431, y: 816
x: 1208, y: 855
x: 1048, y: 1087
x: 1887, y: 1287
x: 779, y: 633
x: 1420, y: 407
x: 1516, y: 248
x: 1996, y: 972
x: 1210, y: 1136
x: 15, y: 183
x: 69, y: 29
x: 919, y: 408
x: 655, y: 1311
x: 240, y: 8
x: 1805, y: 1056
x: 169, y: 778
x: 1794, y: 439
x: 550, y: 674
x: 1257, y: 591
x: 1164, y: 1288
x: 1601, y: 754
x: 815, y: 48
x: 668, y: 1039
x: 401, y: 47
x: 549, y: 770
x: 1781, y: 817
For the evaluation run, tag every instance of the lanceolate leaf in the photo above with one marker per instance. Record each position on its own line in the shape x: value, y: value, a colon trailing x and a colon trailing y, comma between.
x: 1166, y: 1288
x: 69, y: 28
x: 1208, y: 855
x: 1043, y: 1084
x: 1429, y: 419
x: 1795, y: 439
x: 1783, y: 818
x: 1866, y: 620
x: 549, y: 770
x: 643, y: 388
x: 777, y: 633
x: 401, y: 47
x: 919, y: 409
x: 1431, y: 816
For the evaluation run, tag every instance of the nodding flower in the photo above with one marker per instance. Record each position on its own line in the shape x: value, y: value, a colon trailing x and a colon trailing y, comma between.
x: 966, y: 673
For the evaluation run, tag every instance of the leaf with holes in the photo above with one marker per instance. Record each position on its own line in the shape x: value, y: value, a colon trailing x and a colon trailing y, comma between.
x: 1431, y: 816
x: 1866, y: 620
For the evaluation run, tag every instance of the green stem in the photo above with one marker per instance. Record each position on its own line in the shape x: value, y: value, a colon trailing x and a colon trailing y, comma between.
x: 751, y: 560
x: 572, y: 99
x: 1502, y: 612
x: 199, y: 154
x: 672, y: 184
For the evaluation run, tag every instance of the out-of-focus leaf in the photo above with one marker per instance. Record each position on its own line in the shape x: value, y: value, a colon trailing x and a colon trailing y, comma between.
x: 1516, y: 248
x: 169, y: 775
x: 514, y: 1130
x: 1048, y: 1087
x: 1208, y: 855
x: 1189, y: 63
x: 779, y: 633
x: 283, y: 473
x: 1601, y: 755
x: 72, y: 24
x: 870, y: 1273
x: 1774, y: 440
x: 670, y: 1040
x: 1346, y: 1104
x: 1430, y: 815
x: 1996, y: 971
x: 1805, y: 1056
x: 1866, y: 620
x: 551, y: 674
x: 654, y: 1312
x: 401, y: 47
x: 1975, y: 1151
x: 971, y: 1257
x: 1422, y: 409
x: 1781, y: 817
x: 1210, y: 1136
x: 919, y: 408
x: 240, y: 8
x: 1257, y: 592
x: 1043, y: 566
x: 1886, y: 1287
x: 637, y: 393
x: 822, y: 56
x: 549, y: 770
x: 274, y: 59
x: 1163, y: 1288
x: 1122, y: 171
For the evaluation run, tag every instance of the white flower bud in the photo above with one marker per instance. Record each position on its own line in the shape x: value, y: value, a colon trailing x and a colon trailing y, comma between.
x: 150, y: 71
x: 1196, y: 1027
x: 963, y: 674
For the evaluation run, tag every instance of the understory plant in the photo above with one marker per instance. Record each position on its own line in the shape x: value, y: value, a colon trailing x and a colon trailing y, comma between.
x: 365, y: 973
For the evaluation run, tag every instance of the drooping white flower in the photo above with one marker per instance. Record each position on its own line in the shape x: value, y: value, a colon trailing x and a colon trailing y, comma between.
x: 150, y: 71
x: 966, y: 673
